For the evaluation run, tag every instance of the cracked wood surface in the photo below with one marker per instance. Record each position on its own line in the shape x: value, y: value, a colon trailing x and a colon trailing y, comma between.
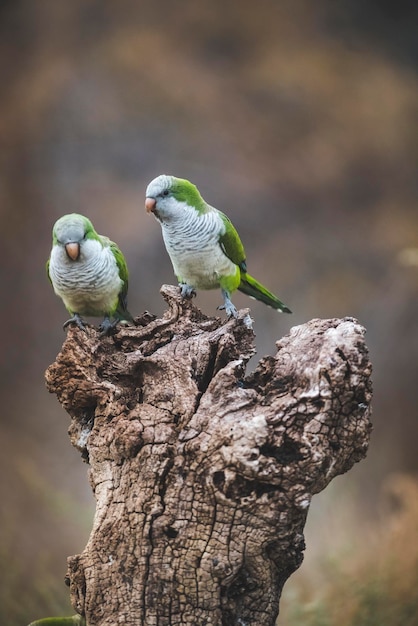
x: 202, y: 475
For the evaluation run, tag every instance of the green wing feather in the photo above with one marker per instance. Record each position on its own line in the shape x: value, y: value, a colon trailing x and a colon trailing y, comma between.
x: 231, y: 244
x: 122, y: 309
x: 124, y: 275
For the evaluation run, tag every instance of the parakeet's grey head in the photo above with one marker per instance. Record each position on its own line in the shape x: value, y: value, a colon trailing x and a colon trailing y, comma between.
x: 168, y: 196
x: 70, y: 231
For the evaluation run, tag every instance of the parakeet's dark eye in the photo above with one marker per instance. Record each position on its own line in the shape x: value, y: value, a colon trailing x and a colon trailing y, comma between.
x: 165, y: 192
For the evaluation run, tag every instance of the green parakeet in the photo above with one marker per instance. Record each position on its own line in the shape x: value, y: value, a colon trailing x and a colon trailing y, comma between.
x: 88, y: 272
x: 204, y: 247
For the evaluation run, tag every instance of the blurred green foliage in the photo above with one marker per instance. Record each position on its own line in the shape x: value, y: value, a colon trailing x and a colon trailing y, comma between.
x: 32, y: 558
x: 377, y: 585
x: 28, y: 591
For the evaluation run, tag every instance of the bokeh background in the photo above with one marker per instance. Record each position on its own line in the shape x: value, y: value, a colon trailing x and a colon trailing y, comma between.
x: 300, y: 120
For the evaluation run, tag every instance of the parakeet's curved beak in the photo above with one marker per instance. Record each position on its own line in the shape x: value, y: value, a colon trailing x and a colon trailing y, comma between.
x: 73, y: 250
x: 150, y: 204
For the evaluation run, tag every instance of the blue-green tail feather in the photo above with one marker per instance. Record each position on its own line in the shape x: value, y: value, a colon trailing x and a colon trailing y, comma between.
x: 251, y: 287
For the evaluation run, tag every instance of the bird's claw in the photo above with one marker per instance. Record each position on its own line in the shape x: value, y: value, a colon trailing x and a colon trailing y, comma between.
x: 230, y: 310
x: 75, y: 319
x: 227, y: 306
x: 187, y: 291
x: 107, y: 327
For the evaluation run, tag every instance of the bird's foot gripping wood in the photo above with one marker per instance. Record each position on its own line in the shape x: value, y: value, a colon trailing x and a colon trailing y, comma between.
x: 108, y: 326
x: 228, y: 306
x: 187, y: 291
x: 203, y: 475
x: 77, y: 320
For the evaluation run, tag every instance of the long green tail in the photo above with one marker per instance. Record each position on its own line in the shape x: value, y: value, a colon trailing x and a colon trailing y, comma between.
x: 251, y: 287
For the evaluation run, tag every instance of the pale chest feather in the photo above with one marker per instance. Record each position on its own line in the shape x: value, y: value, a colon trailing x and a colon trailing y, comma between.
x: 90, y: 285
x: 195, y: 252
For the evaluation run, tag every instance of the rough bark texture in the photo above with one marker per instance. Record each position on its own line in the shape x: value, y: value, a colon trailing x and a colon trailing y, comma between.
x: 203, y: 476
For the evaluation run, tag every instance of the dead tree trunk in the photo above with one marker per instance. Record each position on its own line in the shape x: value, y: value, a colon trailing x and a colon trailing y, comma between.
x: 202, y: 475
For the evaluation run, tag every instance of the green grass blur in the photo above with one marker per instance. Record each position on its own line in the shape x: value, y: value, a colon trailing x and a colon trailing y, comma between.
x: 373, y: 581
x: 40, y: 525
x: 29, y: 593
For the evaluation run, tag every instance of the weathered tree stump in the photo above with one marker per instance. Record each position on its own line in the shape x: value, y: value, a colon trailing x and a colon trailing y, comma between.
x: 202, y: 475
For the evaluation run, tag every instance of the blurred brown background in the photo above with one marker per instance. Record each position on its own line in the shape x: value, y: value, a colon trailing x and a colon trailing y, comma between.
x: 299, y: 120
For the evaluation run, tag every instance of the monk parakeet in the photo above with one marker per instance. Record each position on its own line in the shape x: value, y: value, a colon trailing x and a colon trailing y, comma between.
x: 204, y: 247
x: 88, y: 272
